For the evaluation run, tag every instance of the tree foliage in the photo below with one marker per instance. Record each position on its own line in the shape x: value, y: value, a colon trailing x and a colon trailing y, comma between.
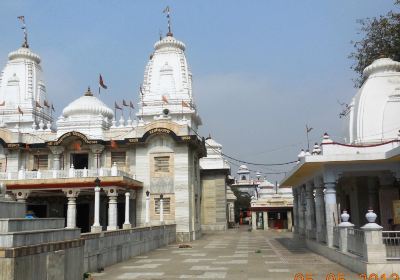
x: 381, y: 37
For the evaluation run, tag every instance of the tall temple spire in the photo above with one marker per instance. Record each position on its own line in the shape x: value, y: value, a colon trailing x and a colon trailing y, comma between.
x: 23, y: 27
x: 167, y: 12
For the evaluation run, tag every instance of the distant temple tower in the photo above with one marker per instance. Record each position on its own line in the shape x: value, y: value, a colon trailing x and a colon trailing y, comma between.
x: 22, y: 86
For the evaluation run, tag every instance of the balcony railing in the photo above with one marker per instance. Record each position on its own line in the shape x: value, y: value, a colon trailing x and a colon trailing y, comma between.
x: 355, y: 241
x: 69, y: 173
x: 391, y: 239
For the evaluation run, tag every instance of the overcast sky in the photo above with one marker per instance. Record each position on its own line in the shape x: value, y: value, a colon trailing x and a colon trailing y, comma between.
x: 262, y: 70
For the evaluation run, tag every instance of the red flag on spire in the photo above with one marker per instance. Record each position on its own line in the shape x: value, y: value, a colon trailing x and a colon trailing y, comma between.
x: 164, y: 99
x: 101, y: 82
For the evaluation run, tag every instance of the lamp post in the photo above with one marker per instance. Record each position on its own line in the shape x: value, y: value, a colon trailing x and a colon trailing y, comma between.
x: 96, y: 225
x: 161, y: 209
x: 147, y: 214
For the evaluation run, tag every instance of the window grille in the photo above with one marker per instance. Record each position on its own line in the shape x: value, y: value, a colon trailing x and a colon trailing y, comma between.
x: 41, y: 162
x: 161, y: 164
x: 119, y: 158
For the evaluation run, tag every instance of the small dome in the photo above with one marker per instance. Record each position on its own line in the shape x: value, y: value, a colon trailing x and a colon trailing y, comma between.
x: 243, y: 170
x: 87, y: 105
x: 212, y: 143
x: 243, y: 166
x: 24, y: 53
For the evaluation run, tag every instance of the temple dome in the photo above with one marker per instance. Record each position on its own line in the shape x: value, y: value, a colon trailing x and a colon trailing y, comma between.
x: 373, y: 113
x: 87, y: 105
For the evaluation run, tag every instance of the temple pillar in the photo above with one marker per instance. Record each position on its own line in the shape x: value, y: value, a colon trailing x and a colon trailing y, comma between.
x: 147, y: 213
x: 97, y: 149
x: 112, y: 208
x: 253, y: 220
x: 57, y: 152
x: 161, y: 209
x: 127, y: 223
x: 21, y: 195
x: 302, y: 210
x: 96, y: 227
x: 72, y: 194
x: 295, y: 210
x: 387, y: 193
x: 310, y: 210
x: 265, y: 220
x: 289, y: 220
x: 330, y: 210
x: 319, y: 209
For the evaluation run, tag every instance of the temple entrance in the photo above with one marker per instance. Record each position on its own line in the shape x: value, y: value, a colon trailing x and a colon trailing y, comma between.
x: 80, y: 161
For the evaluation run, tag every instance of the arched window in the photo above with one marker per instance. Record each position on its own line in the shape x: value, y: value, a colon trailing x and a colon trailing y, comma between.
x: 243, y: 177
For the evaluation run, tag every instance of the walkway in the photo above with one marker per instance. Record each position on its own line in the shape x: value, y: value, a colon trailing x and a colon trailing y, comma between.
x: 235, y: 254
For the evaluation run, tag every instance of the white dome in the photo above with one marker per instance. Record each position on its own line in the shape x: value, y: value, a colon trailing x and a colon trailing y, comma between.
x: 373, y: 114
x: 87, y: 105
x: 24, y: 53
x: 243, y: 169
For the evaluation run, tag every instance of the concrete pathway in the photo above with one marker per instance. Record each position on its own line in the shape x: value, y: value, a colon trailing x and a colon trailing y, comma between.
x: 235, y: 254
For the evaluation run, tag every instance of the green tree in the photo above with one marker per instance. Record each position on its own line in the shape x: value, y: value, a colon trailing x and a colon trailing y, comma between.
x: 380, y: 37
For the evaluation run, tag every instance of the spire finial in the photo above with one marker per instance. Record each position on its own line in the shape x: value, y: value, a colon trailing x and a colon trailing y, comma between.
x: 167, y: 12
x: 88, y: 92
x: 23, y: 27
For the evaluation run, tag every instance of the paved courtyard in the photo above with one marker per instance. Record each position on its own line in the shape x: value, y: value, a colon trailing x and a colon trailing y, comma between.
x: 235, y: 254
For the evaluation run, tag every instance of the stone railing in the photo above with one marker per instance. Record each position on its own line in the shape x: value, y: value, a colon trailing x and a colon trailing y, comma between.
x: 391, y: 239
x: 355, y: 241
x: 68, y: 173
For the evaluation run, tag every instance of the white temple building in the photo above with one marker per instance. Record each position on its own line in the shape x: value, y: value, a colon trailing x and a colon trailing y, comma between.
x: 101, y: 173
x: 353, y: 177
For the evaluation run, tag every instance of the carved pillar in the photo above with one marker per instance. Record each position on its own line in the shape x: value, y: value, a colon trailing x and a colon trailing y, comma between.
x: 97, y: 149
x: 127, y: 223
x: 373, y: 198
x: 56, y: 151
x: 72, y: 194
x: 147, y: 213
x: 295, y: 210
x: 319, y: 209
x: 112, y: 208
x: 96, y: 225
x: 21, y: 195
x: 161, y: 209
x: 330, y: 210
x: 310, y: 209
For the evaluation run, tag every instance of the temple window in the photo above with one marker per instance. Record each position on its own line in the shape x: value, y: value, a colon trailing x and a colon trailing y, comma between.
x: 166, y: 205
x: 161, y: 164
x: 41, y: 162
x: 119, y: 158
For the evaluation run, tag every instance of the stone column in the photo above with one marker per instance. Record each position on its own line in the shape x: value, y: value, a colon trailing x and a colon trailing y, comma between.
x: 96, y: 227
x: 161, y: 209
x: 295, y: 210
x: 96, y: 149
x: 232, y: 212
x: 265, y: 220
x: 112, y: 208
x: 302, y: 210
x: 289, y: 220
x: 253, y: 220
x: 319, y: 209
x: 72, y: 194
x: 56, y: 151
x: 330, y: 210
x: 127, y: 223
x: 147, y: 213
x: 310, y: 209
